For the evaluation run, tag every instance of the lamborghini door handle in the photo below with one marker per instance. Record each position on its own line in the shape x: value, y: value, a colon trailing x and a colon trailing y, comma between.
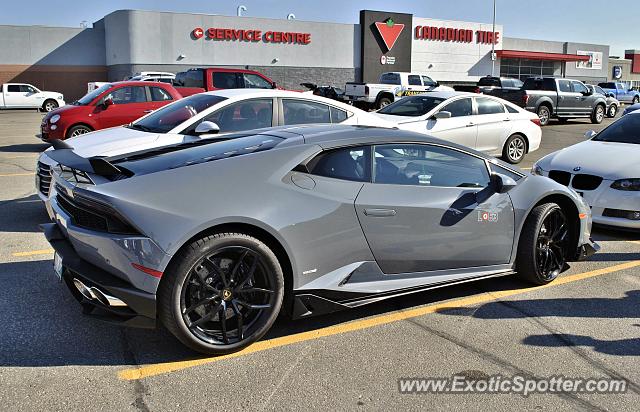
x: 380, y: 212
x: 147, y: 111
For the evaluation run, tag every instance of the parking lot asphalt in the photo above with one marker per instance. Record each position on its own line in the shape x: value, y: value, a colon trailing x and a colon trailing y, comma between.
x: 585, y: 324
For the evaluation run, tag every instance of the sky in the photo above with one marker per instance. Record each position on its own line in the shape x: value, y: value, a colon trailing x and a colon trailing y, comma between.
x: 585, y: 21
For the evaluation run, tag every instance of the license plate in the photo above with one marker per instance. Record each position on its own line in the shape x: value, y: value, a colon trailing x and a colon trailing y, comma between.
x: 57, y: 265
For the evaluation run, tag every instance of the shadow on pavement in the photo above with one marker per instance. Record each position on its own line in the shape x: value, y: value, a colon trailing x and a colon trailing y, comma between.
x: 614, y: 308
x: 22, y: 215
x: 24, y: 148
x: 621, y: 347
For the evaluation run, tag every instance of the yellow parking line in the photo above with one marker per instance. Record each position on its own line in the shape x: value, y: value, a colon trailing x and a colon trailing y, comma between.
x: 161, y: 368
x: 17, y: 174
x: 33, y: 253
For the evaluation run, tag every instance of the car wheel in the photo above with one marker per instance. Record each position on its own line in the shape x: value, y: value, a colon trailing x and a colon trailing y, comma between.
x: 544, y: 114
x: 514, y: 149
x: 543, y: 246
x: 223, y: 293
x: 384, y: 101
x: 613, y: 110
x: 78, y: 130
x: 636, y: 99
x: 598, y: 114
x: 49, y: 105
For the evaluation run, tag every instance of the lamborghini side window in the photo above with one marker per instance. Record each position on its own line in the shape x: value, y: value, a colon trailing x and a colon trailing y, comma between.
x: 349, y: 163
x: 426, y: 165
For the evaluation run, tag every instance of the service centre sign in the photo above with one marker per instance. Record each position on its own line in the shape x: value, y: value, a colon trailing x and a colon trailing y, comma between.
x: 251, y: 36
x: 456, y: 35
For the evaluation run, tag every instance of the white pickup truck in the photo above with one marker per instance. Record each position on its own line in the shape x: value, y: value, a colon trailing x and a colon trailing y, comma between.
x: 26, y: 96
x: 392, y: 85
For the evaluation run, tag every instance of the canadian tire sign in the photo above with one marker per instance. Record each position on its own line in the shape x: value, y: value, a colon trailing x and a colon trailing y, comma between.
x: 386, y: 43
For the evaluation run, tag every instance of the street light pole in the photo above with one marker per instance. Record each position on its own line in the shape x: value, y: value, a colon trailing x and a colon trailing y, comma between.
x: 493, y: 42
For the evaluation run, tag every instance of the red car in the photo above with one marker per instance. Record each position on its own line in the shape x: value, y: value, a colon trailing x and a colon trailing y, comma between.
x: 113, y: 104
x: 215, y: 78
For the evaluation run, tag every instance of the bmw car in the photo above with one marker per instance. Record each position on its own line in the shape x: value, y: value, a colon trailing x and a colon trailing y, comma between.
x: 605, y: 170
x: 214, y: 239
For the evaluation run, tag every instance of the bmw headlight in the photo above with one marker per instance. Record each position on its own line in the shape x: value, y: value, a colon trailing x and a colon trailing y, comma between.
x: 630, y: 185
x: 54, y: 118
x: 537, y: 170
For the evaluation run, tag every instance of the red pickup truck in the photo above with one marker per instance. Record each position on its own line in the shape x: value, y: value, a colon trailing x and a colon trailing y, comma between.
x: 208, y: 79
x: 112, y: 104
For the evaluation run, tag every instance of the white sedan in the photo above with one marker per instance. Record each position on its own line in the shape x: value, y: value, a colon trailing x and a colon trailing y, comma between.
x: 484, y: 123
x: 605, y: 170
x: 208, y: 115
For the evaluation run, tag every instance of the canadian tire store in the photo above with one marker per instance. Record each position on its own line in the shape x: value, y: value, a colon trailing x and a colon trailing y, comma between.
x: 288, y: 51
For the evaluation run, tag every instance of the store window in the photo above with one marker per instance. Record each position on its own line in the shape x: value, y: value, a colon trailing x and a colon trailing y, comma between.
x: 525, y: 68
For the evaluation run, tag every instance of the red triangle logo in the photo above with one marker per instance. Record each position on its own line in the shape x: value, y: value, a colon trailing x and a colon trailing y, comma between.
x: 389, y: 31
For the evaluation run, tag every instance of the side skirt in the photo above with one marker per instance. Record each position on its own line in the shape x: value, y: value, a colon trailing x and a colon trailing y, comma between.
x: 312, y: 302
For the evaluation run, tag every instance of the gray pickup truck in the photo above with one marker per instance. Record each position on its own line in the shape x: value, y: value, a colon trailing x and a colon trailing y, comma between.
x: 563, y: 99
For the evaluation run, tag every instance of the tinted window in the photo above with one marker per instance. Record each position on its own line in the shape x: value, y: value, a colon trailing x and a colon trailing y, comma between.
x: 88, y: 98
x: 428, y: 81
x: 127, y: 95
x: 599, y: 90
x: 460, y: 107
x: 412, y: 106
x: 414, y: 80
x: 27, y: 89
x: 564, y: 86
x: 507, y: 172
x: 253, y: 81
x: 174, y: 114
x: 304, y: 112
x: 607, y: 85
x: 424, y: 165
x: 517, y: 83
x: 338, y: 115
x: 489, y: 106
x: 625, y: 130
x: 533, y: 83
x: 190, y: 78
x: 350, y: 163
x: 390, y: 78
x: 159, y: 95
x: 13, y: 88
x: 511, y: 109
x: 226, y: 80
x: 247, y: 115
x: 578, y: 87
x: 490, y: 81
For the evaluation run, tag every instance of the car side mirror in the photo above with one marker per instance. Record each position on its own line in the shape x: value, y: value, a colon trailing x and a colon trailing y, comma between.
x: 274, y: 85
x: 586, y: 93
x: 107, y: 102
x: 611, y: 95
x: 590, y: 134
x: 442, y: 115
x: 207, y: 127
x: 502, y: 183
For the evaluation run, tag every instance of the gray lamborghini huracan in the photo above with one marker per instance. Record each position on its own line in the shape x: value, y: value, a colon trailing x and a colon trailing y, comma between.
x: 215, y: 238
